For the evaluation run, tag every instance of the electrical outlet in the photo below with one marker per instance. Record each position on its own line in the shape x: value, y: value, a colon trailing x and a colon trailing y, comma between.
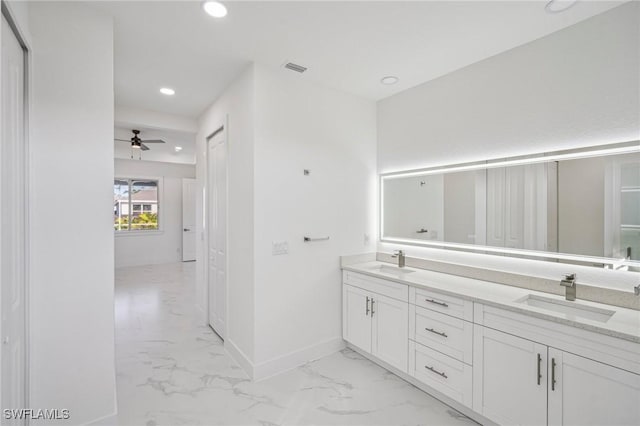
x: 279, y: 247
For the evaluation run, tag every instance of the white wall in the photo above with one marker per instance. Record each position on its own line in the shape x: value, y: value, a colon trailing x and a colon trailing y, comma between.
x: 333, y: 134
x: 164, y: 246
x: 576, y: 87
x: 285, y: 310
x: 71, y: 270
x: 234, y: 110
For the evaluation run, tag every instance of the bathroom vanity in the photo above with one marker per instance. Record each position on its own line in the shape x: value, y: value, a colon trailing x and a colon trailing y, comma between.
x: 497, y: 352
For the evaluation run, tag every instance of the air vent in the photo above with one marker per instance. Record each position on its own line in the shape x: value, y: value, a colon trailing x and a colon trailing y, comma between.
x: 295, y: 67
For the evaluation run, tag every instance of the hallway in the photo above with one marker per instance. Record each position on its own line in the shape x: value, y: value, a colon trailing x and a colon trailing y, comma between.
x: 172, y: 369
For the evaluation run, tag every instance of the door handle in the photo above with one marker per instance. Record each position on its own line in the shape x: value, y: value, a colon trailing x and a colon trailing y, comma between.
x: 539, y: 372
x: 367, y: 311
x: 186, y: 229
x: 553, y: 374
x: 372, y: 311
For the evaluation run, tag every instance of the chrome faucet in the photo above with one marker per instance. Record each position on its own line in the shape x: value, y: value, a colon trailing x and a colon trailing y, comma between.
x: 569, y: 282
x: 400, y: 255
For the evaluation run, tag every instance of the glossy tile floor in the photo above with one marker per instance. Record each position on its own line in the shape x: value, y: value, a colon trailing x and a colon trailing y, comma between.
x: 173, y: 370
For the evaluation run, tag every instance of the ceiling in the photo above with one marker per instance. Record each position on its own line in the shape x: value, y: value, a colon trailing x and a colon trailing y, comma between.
x: 349, y: 45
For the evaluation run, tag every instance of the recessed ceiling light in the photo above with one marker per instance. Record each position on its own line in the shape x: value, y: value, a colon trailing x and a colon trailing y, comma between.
x: 167, y: 91
x: 215, y: 9
x: 557, y: 6
x: 390, y: 79
x: 178, y: 148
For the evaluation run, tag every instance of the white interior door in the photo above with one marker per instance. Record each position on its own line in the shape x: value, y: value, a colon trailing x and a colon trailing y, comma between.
x: 13, y: 226
x: 188, y: 220
x: 217, y: 233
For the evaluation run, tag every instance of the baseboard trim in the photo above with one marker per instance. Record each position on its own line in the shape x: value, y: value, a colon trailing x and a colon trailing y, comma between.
x: 239, y: 357
x: 296, y: 358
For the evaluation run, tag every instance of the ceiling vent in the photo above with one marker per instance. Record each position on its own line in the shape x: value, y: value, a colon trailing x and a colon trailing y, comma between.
x: 295, y: 67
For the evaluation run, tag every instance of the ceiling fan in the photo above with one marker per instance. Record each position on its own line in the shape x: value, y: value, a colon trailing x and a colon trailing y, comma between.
x: 137, y: 143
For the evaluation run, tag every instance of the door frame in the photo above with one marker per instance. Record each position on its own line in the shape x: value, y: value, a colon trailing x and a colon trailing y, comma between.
x: 24, y: 42
x: 195, y: 195
x: 221, y: 129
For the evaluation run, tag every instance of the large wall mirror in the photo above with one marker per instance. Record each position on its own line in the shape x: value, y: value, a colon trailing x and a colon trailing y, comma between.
x: 579, y: 206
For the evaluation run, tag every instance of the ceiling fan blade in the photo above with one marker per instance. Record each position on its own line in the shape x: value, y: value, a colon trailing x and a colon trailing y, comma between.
x: 144, y: 147
x: 123, y: 140
x: 154, y: 141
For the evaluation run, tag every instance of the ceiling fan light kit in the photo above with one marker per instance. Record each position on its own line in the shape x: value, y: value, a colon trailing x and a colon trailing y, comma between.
x: 139, y: 144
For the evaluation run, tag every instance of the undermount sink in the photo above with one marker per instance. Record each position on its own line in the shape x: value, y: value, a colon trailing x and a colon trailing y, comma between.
x: 568, y: 308
x: 389, y: 269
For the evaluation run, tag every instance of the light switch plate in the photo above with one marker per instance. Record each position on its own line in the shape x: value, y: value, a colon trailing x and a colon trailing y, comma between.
x: 279, y: 247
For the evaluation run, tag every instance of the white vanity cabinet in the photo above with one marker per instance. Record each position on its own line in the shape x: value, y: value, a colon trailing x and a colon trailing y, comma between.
x: 376, y: 321
x: 526, y: 381
x: 509, y: 366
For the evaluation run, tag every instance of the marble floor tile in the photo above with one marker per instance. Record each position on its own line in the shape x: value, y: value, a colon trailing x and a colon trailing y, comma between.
x: 173, y: 370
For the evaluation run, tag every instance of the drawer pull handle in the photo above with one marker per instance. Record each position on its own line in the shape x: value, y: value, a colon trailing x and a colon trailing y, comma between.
x: 440, y: 333
x: 372, y: 303
x: 367, y: 311
x: 439, y: 373
x: 553, y: 374
x: 436, y: 302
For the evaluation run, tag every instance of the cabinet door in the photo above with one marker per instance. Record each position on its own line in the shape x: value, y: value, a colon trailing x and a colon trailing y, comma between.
x: 356, y: 317
x: 509, y: 378
x: 390, y: 331
x: 587, y: 392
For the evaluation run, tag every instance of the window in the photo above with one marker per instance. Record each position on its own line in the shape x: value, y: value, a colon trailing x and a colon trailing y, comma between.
x: 135, y: 205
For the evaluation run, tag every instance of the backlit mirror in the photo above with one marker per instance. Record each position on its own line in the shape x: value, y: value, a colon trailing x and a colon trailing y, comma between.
x: 571, y: 206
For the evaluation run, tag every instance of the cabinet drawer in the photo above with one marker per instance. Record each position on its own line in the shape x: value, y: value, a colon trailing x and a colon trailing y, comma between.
x: 446, y: 304
x: 449, y: 335
x: 441, y: 372
x: 377, y: 285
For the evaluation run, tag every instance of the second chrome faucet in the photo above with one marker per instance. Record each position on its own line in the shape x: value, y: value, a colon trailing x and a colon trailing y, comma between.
x: 400, y: 255
x: 569, y: 282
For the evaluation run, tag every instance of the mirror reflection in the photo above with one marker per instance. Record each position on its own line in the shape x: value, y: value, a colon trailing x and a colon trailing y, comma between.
x: 585, y: 206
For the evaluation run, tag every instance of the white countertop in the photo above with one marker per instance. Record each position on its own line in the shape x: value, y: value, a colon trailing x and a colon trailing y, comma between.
x: 624, y: 324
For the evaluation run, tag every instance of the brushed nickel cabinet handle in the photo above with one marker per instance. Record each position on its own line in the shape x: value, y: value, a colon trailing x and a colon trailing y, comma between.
x: 436, y: 302
x: 440, y: 333
x: 439, y: 373
x: 539, y: 364
x: 372, y: 311
x: 553, y: 374
x: 367, y: 311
